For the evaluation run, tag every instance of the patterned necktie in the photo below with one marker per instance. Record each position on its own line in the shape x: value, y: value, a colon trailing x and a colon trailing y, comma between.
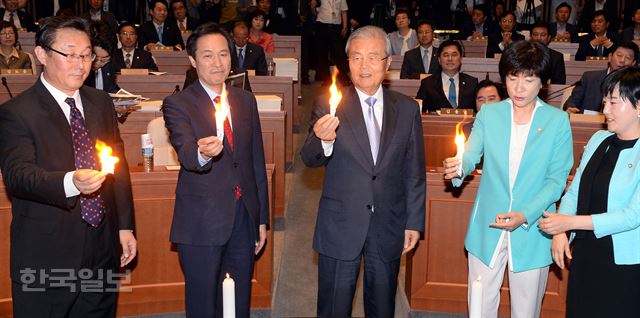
x: 237, y: 190
x: 240, y: 58
x: 160, y: 34
x: 373, y: 129
x: 91, y: 206
x: 181, y: 26
x: 11, y: 18
x: 425, y: 61
x: 452, y: 93
x: 127, y: 60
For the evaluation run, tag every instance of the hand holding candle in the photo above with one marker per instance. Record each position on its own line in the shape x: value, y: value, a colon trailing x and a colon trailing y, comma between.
x: 228, y: 298
x: 222, y: 110
x: 335, y: 94
x: 107, y: 161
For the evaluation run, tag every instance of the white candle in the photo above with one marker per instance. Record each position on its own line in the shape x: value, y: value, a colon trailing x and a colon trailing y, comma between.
x: 459, y: 141
x: 475, y: 305
x: 222, y: 109
x: 334, y: 94
x: 228, y: 298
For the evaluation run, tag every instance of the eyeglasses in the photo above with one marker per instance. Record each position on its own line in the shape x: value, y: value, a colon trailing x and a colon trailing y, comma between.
x: 72, y: 58
x: 424, y: 32
x: 127, y: 33
x: 103, y: 59
x: 7, y: 34
x: 371, y: 59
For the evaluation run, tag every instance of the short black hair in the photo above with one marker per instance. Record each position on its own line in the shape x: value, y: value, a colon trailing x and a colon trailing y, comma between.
x: 540, y: 24
x: 447, y: 43
x: 423, y: 22
x: 506, y: 13
x: 628, y: 44
x: 600, y: 13
x: 627, y: 79
x: 50, y: 25
x: 176, y: 1
x: 102, y: 36
x: 7, y: 24
x: 127, y: 24
x: 481, y: 7
x: 206, y: 29
x: 153, y: 3
x: 256, y: 13
x: 488, y: 83
x: 529, y: 58
x: 564, y: 5
x: 402, y: 11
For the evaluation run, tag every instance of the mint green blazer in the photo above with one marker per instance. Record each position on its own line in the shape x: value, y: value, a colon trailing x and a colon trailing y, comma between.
x: 622, y: 218
x: 541, y: 178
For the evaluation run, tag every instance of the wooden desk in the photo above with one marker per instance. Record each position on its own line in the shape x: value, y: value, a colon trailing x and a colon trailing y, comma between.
x: 156, y: 280
x: 273, y: 139
x: 151, y: 86
x: 172, y: 62
x: 565, y: 47
x: 17, y: 84
x: 436, y: 278
x: 477, y: 48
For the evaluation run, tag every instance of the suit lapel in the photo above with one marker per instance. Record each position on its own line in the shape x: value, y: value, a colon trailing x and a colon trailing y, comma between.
x: 204, y: 105
x: 352, y: 110
x: 236, y: 108
x: 438, y: 79
x: 59, y: 120
x: 389, y: 120
x: 91, y: 115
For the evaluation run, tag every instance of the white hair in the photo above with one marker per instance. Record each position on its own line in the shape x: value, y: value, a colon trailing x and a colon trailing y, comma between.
x: 370, y: 32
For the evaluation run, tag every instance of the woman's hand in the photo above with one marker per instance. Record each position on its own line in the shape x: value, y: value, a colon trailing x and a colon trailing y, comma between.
x: 451, y: 168
x: 509, y: 221
x: 554, y: 223
x: 560, y: 248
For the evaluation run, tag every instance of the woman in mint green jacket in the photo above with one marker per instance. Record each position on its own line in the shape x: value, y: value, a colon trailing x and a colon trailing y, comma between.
x: 528, y: 152
x: 602, y: 209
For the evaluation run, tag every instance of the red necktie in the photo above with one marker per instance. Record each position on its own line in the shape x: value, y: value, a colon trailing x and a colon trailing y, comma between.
x: 91, y: 206
x: 229, y: 134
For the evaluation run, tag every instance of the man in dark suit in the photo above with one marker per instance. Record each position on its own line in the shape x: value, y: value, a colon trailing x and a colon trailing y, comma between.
x: 562, y: 30
x: 586, y: 95
x: 130, y: 56
x: 373, y: 198
x: 250, y: 56
x: 449, y: 88
x: 159, y: 30
x: 69, y: 218
x: 504, y: 36
x: 599, y: 42
x: 221, y: 210
x: 180, y: 17
x: 21, y: 19
x: 103, y: 75
x: 590, y: 9
x: 478, y: 26
x: 96, y: 13
x: 424, y: 58
x: 557, y: 73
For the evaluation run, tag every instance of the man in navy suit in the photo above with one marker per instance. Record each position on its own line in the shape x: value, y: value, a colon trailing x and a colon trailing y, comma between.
x: 373, y: 198
x: 478, y: 26
x: 599, y: 42
x: 586, y: 95
x: 250, y: 56
x: 449, y: 88
x: 130, y: 56
x: 557, y: 72
x: 221, y: 210
x: 68, y: 216
x: 424, y: 58
x: 21, y: 19
x: 562, y: 30
x: 159, y: 31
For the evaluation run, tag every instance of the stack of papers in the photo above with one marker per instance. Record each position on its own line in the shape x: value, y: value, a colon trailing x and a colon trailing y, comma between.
x: 286, y: 66
x: 124, y: 98
x: 269, y: 102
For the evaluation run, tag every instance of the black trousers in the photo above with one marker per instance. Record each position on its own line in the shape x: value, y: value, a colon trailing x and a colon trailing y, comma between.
x: 330, y: 42
x: 87, y: 292
x: 205, y: 267
x: 337, y: 283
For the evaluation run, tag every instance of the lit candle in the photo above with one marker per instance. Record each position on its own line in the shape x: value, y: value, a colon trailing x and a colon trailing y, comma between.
x: 475, y: 306
x: 335, y: 95
x: 107, y: 161
x: 228, y: 298
x: 459, y: 140
x: 222, y: 109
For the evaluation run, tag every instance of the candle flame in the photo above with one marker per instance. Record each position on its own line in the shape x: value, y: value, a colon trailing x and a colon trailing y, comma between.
x: 107, y: 161
x: 460, y: 138
x: 228, y: 275
x: 335, y: 94
x: 221, y: 109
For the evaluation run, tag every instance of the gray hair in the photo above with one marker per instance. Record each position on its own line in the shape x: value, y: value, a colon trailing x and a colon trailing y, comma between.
x: 370, y: 32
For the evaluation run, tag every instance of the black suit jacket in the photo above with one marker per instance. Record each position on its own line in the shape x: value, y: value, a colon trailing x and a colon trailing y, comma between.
x: 108, y: 72
x: 171, y: 35
x: 205, y: 200
x: 572, y: 29
x: 140, y: 59
x: 494, y: 40
x: 468, y: 28
x: 412, y: 65
x: 192, y: 23
x: 627, y: 33
x: 585, y: 49
x: 433, y: 97
x: 557, y: 70
x: 36, y: 152
x: 357, y: 196
x: 254, y: 58
x: 192, y: 76
x: 26, y: 21
x: 586, y: 94
x: 611, y: 9
x: 106, y: 17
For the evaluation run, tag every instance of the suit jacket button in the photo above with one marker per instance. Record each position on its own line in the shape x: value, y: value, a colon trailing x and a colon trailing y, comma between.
x: 318, y: 156
x: 373, y: 178
x: 235, y: 165
x: 369, y: 207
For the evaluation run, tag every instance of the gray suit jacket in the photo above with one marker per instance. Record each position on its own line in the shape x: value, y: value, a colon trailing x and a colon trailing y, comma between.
x: 586, y: 94
x: 412, y: 65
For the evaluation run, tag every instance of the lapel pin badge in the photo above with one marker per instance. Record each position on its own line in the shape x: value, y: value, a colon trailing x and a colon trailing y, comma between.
x: 539, y: 129
x: 630, y: 165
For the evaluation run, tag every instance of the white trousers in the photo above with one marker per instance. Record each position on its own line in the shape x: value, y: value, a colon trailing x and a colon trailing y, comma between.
x: 526, y: 289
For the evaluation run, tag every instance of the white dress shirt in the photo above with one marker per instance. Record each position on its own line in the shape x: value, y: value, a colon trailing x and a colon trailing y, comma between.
x: 446, y: 83
x: 16, y: 20
x: 212, y: 96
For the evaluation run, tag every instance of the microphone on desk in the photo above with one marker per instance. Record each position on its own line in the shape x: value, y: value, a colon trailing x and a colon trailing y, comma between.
x: 4, y: 83
x: 176, y: 90
x: 558, y: 93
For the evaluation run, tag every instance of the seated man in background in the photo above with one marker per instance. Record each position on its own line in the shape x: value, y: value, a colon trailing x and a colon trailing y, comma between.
x: 449, y: 88
x: 487, y: 92
x: 599, y: 42
x: 479, y: 25
x: 562, y: 30
x: 103, y: 73
x: 424, y: 58
x: 632, y: 33
x: 183, y: 21
x: 130, y: 56
x: 159, y: 31
x: 504, y: 36
x: 12, y: 58
x: 96, y: 13
x: 586, y: 96
x: 19, y: 18
x: 557, y: 73
x: 250, y: 56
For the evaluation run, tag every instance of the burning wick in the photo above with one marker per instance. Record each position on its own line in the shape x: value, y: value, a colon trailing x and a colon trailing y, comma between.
x: 107, y: 161
x: 222, y: 109
x: 335, y: 94
x: 459, y: 141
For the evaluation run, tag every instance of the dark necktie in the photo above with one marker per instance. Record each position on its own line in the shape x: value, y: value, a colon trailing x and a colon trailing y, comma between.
x: 240, y: 58
x: 91, y: 206
x: 229, y: 134
x: 11, y: 18
x: 127, y: 60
